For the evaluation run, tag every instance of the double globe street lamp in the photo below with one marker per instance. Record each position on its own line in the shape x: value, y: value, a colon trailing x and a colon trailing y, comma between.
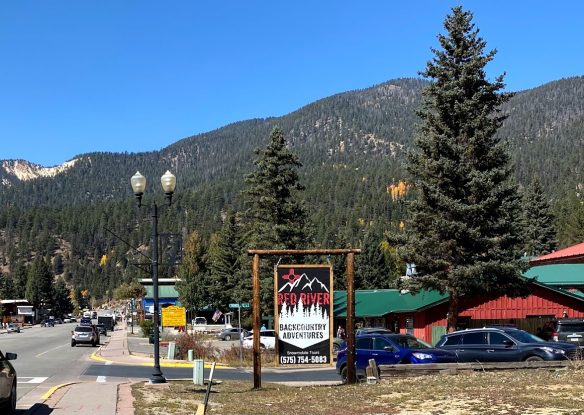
x: 138, y: 182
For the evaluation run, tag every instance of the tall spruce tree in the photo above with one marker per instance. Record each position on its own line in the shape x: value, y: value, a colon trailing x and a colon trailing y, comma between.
x: 231, y: 283
x: 570, y: 219
x: 193, y: 287
x: 463, y: 230
x: 540, y: 232
x: 274, y: 214
x: 372, y: 269
x: 39, y: 284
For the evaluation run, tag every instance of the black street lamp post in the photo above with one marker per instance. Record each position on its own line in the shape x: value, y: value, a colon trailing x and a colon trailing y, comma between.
x: 138, y: 186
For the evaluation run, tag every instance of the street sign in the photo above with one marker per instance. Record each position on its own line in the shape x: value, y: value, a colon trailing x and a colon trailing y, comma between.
x: 237, y: 305
x: 173, y: 316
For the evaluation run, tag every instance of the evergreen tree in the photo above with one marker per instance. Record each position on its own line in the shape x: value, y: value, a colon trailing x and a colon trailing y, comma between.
x: 61, y: 301
x: 463, y: 232
x: 7, y: 290
x: 231, y: 283
x: 540, y: 232
x: 20, y: 278
x: 193, y: 287
x: 39, y: 285
x: 372, y: 270
x: 570, y: 214
x: 275, y: 216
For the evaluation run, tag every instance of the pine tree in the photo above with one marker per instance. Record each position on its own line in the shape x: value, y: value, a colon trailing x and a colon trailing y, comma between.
x: 61, y: 301
x: 540, y: 232
x: 231, y: 283
x: 39, y: 285
x: 372, y: 270
x: 193, y: 287
x: 274, y: 215
x: 570, y: 214
x: 463, y: 231
x: 20, y: 278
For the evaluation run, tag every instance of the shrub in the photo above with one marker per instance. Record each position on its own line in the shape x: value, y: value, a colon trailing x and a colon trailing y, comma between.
x: 231, y: 357
x: 147, y: 326
x: 202, y: 349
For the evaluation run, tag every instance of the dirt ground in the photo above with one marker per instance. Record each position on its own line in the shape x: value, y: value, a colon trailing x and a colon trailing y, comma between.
x: 533, y: 392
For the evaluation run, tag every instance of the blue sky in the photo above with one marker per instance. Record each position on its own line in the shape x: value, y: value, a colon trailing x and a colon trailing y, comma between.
x: 112, y: 75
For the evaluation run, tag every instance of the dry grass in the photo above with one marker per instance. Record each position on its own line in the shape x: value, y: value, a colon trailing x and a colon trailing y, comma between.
x: 534, y: 392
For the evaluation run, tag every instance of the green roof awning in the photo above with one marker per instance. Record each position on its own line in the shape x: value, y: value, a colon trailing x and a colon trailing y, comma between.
x: 164, y: 291
x: 557, y: 274
x: 378, y: 303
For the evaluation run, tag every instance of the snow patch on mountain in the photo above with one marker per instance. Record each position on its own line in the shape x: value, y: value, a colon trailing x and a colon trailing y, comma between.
x: 24, y: 170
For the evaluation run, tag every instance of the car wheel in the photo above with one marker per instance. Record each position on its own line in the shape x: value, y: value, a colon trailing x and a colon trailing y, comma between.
x: 227, y: 337
x: 10, y: 405
x: 262, y: 346
x: 344, y: 375
x: 534, y: 359
x: 72, y: 343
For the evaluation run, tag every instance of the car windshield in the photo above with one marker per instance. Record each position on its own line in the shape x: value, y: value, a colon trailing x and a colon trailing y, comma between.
x: 571, y: 327
x: 410, y: 342
x: 524, y: 337
x: 83, y: 329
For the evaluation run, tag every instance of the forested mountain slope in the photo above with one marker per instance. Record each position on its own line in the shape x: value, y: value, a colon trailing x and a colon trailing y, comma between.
x: 351, y: 145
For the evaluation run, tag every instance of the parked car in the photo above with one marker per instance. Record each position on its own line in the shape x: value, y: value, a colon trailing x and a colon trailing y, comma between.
x: 570, y: 330
x: 48, y: 323
x: 503, y: 344
x: 13, y: 328
x: 101, y: 329
x: 372, y: 330
x: 85, y: 321
x: 84, y: 335
x: 338, y: 344
x: 7, y: 384
x: 232, y: 334
x: 267, y: 340
x: 390, y: 349
x: 200, y: 320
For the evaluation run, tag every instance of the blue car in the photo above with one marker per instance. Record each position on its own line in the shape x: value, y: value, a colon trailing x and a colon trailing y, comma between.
x: 391, y: 349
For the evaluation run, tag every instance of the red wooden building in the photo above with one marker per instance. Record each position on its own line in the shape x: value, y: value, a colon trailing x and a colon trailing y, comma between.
x: 557, y: 285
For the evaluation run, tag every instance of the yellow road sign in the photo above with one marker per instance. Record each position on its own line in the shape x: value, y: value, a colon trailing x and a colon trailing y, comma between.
x: 173, y: 316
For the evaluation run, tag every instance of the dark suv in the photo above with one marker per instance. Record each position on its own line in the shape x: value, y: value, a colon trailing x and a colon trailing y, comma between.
x: 570, y: 330
x: 504, y: 344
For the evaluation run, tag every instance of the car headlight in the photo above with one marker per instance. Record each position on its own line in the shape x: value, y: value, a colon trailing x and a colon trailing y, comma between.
x: 422, y: 356
x: 553, y: 350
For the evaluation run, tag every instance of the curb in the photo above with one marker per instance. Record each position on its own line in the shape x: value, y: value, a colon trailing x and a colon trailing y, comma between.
x: 98, y: 358
x: 54, y: 389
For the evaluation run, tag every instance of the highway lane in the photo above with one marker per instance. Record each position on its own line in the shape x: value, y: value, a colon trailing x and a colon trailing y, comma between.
x: 45, y: 357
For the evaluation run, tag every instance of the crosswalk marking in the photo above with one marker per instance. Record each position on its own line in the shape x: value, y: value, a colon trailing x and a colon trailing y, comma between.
x: 32, y: 380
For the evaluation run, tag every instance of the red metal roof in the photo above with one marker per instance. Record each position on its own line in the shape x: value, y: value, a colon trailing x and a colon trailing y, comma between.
x: 571, y: 254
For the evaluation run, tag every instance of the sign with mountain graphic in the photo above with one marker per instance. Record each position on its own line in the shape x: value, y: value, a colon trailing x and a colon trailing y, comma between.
x: 303, y: 309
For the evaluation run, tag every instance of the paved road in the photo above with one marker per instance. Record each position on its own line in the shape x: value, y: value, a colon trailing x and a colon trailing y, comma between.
x: 119, y: 373
x: 45, y: 358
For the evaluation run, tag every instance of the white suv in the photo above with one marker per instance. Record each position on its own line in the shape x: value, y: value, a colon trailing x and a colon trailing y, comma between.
x: 267, y: 340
